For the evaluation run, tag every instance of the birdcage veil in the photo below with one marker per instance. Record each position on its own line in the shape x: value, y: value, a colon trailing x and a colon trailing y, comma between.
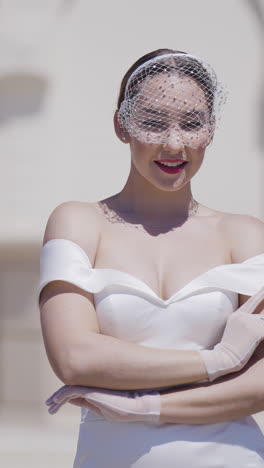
x: 172, y: 97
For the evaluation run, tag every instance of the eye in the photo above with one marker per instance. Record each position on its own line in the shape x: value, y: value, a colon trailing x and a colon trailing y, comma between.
x: 191, y: 124
x: 154, y: 125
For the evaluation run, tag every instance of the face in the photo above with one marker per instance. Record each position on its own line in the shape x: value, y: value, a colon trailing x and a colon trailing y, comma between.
x: 171, y: 108
x: 170, y: 120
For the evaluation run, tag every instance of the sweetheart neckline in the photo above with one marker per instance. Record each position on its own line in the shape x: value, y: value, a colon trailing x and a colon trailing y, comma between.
x: 143, y: 283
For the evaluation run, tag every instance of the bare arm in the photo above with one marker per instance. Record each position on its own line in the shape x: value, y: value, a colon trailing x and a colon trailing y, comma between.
x: 80, y: 355
x: 230, y: 397
x: 111, y: 363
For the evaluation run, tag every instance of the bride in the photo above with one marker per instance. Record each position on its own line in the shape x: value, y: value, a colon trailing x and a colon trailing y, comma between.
x: 151, y: 303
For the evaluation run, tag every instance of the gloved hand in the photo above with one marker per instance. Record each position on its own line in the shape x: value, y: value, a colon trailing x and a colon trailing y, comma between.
x: 122, y: 406
x: 243, y: 332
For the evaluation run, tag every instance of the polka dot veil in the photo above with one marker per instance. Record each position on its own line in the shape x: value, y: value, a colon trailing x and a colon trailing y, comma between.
x: 174, y: 98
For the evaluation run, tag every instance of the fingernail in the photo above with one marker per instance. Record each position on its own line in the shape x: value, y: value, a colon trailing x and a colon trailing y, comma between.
x: 52, y: 409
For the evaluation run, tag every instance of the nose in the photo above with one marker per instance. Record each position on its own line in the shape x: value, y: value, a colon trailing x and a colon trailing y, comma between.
x: 174, y: 140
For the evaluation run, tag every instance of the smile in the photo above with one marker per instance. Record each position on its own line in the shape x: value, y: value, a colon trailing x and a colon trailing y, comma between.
x: 171, y: 168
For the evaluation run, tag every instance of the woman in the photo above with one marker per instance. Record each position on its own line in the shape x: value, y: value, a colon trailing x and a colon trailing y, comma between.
x: 152, y: 303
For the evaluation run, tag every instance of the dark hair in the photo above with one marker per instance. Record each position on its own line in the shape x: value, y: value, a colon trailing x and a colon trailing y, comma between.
x: 195, y: 71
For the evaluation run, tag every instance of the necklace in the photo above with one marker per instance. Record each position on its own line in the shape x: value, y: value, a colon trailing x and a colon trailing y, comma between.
x: 113, y: 217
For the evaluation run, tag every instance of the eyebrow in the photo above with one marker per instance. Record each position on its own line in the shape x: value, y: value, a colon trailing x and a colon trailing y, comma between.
x: 151, y: 110
x: 192, y: 113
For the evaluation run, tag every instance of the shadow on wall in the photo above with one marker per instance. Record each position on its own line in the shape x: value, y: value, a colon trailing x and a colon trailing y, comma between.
x: 21, y: 95
x: 67, y: 5
x: 23, y: 362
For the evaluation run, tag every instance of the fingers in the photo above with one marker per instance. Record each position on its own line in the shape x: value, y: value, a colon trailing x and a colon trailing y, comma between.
x: 57, y: 393
x: 65, y: 392
x: 54, y: 407
x: 79, y: 401
x: 253, y: 302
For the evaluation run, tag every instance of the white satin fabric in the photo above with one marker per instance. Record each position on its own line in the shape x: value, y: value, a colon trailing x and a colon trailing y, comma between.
x: 192, y: 318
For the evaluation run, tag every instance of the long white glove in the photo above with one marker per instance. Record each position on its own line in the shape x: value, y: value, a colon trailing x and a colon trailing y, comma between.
x: 243, y: 332
x: 114, y: 405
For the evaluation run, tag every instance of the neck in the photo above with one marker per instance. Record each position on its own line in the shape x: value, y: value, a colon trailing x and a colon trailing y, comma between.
x: 142, y: 200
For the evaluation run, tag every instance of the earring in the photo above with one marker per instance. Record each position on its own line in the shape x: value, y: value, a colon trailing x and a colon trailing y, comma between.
x: 123, y: 138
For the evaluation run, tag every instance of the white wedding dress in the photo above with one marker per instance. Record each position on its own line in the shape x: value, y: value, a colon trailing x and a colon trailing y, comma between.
x: 192, y: 318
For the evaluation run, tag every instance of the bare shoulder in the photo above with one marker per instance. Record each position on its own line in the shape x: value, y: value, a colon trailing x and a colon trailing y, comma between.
x: 245, y: 234
x: 76, y: 221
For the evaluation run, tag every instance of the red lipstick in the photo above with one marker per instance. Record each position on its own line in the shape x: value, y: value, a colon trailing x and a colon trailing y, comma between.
x: 171, y: 160
x: 171, y: 169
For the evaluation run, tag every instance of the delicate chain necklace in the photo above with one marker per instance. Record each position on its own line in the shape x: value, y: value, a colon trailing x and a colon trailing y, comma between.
x: 113, y: 217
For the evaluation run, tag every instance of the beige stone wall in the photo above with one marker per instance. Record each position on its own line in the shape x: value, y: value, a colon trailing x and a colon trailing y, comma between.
x: 59, y: 76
